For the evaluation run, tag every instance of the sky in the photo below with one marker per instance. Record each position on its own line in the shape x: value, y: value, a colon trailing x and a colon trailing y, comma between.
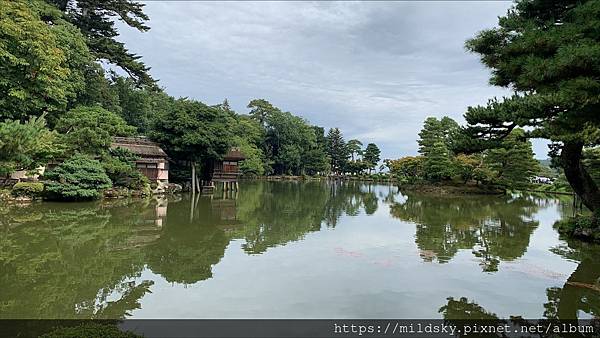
x: 374, y: 69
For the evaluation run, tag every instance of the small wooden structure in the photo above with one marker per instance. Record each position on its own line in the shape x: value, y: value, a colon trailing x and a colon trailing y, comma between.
x: 153, y: 162
x: 228, y: 171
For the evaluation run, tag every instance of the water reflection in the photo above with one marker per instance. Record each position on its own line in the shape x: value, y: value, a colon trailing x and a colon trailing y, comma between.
x: 579, y: 297
x: 495, y: 228
x: 99, y: 260
x: 84, y: 260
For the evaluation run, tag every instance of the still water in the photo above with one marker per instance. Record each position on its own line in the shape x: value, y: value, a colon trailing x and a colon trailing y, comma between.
x: 296, y: 250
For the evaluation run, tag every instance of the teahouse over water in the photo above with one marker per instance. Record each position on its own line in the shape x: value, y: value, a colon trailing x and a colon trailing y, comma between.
x: 228, y: 169
x: 153, y: 162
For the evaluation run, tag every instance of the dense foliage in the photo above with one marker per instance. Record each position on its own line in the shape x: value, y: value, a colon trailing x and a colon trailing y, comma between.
x: 550, y: 56
x: 90, y: 129
x: 510, y: 164
x: 43, y: 59
x: 26, y: 146
x: 77, y: 178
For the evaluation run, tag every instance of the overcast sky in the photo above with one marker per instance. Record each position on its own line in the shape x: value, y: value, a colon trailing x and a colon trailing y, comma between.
x: 376, y: 70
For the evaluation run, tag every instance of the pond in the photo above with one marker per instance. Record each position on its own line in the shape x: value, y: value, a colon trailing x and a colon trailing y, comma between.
x: 296, y: 250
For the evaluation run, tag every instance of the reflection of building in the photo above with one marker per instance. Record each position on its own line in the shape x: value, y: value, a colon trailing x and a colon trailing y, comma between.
x: 152, y: 162
x: 225, y: 210
x: 148, y: 225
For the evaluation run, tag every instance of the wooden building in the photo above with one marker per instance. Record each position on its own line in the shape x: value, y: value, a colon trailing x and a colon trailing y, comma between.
x: 153, y: 162
x: 228, y: 171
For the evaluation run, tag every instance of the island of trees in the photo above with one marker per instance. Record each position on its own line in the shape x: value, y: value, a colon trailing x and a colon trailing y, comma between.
x: 60, y: 103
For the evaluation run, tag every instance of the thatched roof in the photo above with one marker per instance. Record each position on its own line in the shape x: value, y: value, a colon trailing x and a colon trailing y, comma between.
x: 140, y: 146
x: 234, y: 154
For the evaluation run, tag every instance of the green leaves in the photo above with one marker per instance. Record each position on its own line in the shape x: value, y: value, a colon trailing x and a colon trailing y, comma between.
x: 77, y: 178
x: 372, y: 155
x: 41, y: 63
x: 26, y: 146
x: 193, y: 131
x: 90, y: 129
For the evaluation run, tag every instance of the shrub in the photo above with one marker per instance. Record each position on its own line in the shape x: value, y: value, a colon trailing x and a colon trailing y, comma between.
x: 120, y: 168
x: 78, y: 178
x: 28, y: 189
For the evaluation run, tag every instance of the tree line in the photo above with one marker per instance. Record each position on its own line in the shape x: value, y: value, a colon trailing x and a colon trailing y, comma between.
x: 444, y: 156
x: 58, y: 104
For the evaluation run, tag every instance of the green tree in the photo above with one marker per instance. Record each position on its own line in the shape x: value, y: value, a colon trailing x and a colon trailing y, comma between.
x: 409, y: 169
x: 437, y: 163
x: 513, y: 161
x: 549, y: 56
x: 465, y: 165
x: 95, y: 19
x: 288, y: 139
x: 26, y: 146
x: 260, y: 109
x: 371, y: 156
x: 337, y: 150
x: 354, y: 147
x: 133, y: 102
x: 43, y: 60
x: 77, y: 178
x: 194, y: 132
x: 316, y: 160
x: 90, y: 129
x: 591, y: 162
x: 119, y: 165
x: 434, y: 130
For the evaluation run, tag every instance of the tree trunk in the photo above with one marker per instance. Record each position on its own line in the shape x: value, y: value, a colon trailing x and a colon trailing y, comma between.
x: 579, y: 179
x: 193, y: 177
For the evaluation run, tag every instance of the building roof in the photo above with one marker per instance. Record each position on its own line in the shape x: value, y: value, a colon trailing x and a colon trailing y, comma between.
x: 140, y: 146
x: 234, y: 154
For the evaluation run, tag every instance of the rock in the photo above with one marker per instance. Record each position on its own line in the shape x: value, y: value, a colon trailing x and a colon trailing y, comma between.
x: 167, y: 188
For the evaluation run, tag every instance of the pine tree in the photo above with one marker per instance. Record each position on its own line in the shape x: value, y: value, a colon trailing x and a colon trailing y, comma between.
x: 372, y: 155
x: 437, y: 162
x: 337, y: 150
x: 94, y: 18
x: 514, y: 161
x: 434, y: 130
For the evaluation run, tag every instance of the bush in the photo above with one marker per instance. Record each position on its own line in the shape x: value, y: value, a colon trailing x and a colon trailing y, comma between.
x: 582, y: 227
x: 28, y: 189
x: 120, y: 168
x: 78, y: 178
x: 90, y: 330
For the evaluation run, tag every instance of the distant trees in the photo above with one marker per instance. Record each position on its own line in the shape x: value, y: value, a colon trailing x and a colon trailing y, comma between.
x: 355, y: 148
x: 510, y: 164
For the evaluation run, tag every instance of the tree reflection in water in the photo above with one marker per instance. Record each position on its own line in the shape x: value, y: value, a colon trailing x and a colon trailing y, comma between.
x: 96, y: 260
x: 579, y: 295
x: 85, y: 260
x: 495, y: 228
